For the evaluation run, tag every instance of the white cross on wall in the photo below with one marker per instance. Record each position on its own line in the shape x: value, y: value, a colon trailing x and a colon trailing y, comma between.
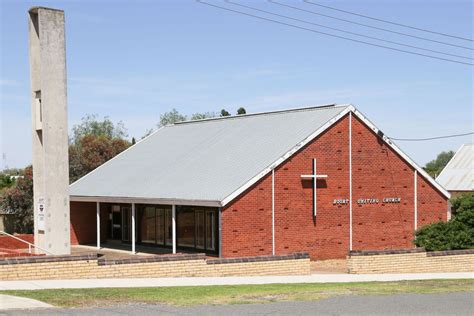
x: 315, y: 178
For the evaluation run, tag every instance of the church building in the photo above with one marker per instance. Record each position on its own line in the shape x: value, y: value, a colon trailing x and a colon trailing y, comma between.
x: 322, y: 180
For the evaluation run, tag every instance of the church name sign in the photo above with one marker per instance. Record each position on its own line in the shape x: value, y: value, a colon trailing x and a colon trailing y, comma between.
x: 368, y: 201
x: 340, y: 202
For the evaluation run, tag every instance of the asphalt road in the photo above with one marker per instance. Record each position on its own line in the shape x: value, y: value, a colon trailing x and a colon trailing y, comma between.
x: 407, y: 304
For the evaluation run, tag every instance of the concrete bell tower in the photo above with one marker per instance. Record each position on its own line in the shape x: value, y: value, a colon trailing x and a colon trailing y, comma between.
x: 50, y: 134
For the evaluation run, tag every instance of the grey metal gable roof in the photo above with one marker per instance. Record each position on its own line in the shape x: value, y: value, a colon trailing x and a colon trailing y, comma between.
x: 203, y: 160
x: 458, y: 175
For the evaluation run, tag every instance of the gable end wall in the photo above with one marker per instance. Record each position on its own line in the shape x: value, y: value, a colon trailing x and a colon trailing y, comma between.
x: 377, y: 172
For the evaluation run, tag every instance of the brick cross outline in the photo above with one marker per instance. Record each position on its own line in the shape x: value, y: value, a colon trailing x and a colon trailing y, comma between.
x: 315, y: 178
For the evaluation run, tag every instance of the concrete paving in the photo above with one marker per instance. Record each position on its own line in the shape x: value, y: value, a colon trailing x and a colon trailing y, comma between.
x: 8, y: 302
x: 406, y: 304
x: 117, y: 250
x: 198, y: 281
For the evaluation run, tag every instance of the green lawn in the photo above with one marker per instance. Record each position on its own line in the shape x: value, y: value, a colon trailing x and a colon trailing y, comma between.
x: 236, y: 294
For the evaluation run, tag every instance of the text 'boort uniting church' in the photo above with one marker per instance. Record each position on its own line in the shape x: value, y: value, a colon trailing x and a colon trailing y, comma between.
x: 322, y: 180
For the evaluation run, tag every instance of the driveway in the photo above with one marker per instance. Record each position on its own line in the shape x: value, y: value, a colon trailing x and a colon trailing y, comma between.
x: 408, y: 304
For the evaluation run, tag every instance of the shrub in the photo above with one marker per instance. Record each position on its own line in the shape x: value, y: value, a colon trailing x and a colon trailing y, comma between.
x: 462, y: 203
x: 457, y: 233
x: 18, y: 200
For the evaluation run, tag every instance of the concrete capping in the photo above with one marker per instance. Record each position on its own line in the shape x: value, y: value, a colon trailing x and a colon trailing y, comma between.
x: 43, y: 259
x: 35, y: 9
x: 384, y: 252
x: 295, y: 256
x: 150, y: 259
x: 450, y: 253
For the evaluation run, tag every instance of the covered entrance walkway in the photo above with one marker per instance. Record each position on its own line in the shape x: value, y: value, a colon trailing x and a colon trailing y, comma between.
x: 157, y: 229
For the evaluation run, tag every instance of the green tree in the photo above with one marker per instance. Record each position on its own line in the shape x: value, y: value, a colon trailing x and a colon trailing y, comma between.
x: 224, y: 113
x: 462, y: 203
x: 241, y: 111
x: 91, y: 151
x: 6, y: 181
x: 171, y: 117
x: 90, y: 125
x: 13, y: 171
x: 202, y: 116
x: 93, y: 143
x: 148, y: 132
x: 18, y: 200
x: 457, y: 233
x: 434, y: 167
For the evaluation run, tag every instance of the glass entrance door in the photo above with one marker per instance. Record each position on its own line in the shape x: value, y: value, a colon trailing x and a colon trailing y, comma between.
x: 154, y: 225
x: 185, y: 231
x: 196, y: 227
x: 148, y: 225
x: 126, y: 222
x: 115, y: 223
x: 160, y: 225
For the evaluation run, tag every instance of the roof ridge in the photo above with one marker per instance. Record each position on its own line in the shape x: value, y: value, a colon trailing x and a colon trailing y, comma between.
x: 306, y: 108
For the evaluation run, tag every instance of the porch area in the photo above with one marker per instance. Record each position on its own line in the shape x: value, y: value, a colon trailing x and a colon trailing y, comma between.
x: 122, y: 229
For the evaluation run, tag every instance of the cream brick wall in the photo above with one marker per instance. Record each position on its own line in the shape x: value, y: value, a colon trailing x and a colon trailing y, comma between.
x: 410, y: 263
x: 88, y: 269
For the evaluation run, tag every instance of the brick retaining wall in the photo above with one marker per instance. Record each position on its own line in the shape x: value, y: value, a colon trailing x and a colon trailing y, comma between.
x: 189, y: 265
x: 410, y: 261
x: 8, y: 242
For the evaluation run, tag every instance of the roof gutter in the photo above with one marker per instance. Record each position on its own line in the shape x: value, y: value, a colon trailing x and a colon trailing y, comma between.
x: 139, y: 200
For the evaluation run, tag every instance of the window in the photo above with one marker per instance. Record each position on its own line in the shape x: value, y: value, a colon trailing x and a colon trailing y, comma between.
x: 148, y: 225
x: 200, y: 229
x: 38, y: 111
x: 185, y: 231
x: 160, y: 226
x: 196, y: 227
x: 210, y: 231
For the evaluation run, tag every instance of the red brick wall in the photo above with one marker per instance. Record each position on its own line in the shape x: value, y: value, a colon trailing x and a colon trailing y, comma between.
x: 432, y: 206
x: 83, y: 223
x: 7, y: 242
x: 327, y: 236
x: 378, y: 172
x: 247, y: 222
x: 294, y: 225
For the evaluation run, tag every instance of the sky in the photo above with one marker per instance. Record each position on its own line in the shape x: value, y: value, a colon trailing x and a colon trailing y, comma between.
x: 132, y: 60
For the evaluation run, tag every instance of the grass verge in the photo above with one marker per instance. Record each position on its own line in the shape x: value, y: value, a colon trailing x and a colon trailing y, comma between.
x: 236, y: 294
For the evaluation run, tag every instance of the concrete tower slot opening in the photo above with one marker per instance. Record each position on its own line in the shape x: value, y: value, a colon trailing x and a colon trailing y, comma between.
x: 49, y: 130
